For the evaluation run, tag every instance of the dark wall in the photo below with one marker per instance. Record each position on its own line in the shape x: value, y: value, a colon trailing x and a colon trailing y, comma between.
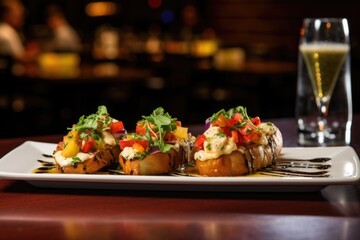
x: 269, y: 29
x: 276, y: 22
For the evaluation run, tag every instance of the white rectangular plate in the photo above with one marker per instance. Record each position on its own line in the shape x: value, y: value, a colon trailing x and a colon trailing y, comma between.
x: 20, y: 163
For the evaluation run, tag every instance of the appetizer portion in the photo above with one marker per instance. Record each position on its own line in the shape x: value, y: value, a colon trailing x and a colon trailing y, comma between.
x: 235, y: 144
x: 157, y: 147
x: 90, y: 145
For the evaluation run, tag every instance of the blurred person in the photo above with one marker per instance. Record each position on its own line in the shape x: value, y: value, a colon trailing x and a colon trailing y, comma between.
x: 190, y: 21
x: 12, y: 15
x: 64, y: 37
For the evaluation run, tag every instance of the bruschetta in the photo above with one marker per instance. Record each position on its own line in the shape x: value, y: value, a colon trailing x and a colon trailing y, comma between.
x: 235, y: 144
x: 157, y: 147
x: 90, y: 145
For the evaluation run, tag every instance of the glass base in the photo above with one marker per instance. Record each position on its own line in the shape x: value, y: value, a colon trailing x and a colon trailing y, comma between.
x: 323, y: 138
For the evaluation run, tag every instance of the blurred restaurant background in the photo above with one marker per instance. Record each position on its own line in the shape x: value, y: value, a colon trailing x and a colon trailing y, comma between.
x: 192, y: 57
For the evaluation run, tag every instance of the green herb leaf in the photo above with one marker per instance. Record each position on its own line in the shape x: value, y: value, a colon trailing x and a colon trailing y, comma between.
x: 75, y: 161
x: 163, y: 123
x: 98, y: 121
x: 230, y: 113
x: 220, y: 135
x: 163, y: 120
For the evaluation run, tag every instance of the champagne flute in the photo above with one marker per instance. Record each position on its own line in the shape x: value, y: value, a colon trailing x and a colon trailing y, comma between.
x: 324, y: 47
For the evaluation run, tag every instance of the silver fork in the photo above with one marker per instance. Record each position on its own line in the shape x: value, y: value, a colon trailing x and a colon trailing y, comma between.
x: 284, y: 165
x: 312, y: 160
x: 281, y: 173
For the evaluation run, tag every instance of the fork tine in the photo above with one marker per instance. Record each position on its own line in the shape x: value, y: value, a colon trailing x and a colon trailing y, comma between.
x: 292, y: 174
x: 302, y: 165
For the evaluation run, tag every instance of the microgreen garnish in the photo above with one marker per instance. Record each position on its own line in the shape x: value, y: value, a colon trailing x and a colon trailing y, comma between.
x: 229, y: 114
x: 157, y: 124
x: 98, y: 121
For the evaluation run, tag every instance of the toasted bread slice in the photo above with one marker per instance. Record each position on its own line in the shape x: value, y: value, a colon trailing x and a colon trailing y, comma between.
x: 245, y: 160
x: 99, y: 160
x: 153, y: 164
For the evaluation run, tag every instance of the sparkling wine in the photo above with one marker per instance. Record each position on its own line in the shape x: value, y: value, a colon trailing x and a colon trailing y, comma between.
x: 324, y: 62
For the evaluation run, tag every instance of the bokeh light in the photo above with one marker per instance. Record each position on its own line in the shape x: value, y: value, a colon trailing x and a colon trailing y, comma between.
x: 154, y: 3
x: 97, y: 9
x: 167, y: 16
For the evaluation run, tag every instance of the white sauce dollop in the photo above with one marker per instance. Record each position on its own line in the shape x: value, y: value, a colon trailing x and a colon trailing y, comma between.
x: 63, y: 161
x: 129, y: 153
x: 215, y: 145
x: 107, y: 137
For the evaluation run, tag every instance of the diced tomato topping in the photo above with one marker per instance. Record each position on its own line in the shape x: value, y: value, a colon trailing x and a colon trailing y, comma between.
x: 140, y: 130
x: 200, y: 141
x: 178, y: 123
x: 238, y: 117
x: 126, y: 143
x: 243, y: 139
x: 227, y: 131
x: 247, y: 134
x: 86, y: 147
x: 116, y: 127
x: 222, y: 121
x: 235, y: 136
x: 232, y: 122
x: 87, y: 144
x: 169, y: 137
x: 256, y: 136
x: 143, y: 142
x: 256, y: 121
x: 246, y: 130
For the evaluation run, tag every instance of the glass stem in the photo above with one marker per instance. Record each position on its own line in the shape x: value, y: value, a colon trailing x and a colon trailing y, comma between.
x: 323, y: 106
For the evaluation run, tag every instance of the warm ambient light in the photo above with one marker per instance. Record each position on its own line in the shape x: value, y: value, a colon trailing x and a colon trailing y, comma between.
x: 97, y: 9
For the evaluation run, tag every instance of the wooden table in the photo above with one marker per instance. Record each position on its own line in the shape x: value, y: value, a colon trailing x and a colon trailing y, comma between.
x: 27, y: 212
